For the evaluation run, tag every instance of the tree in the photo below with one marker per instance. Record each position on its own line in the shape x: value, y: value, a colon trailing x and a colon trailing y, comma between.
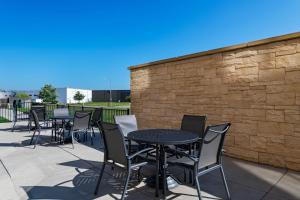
x: 22, y: 96
x: 48, y: 94
x: 128, y: 98
x: 78, y: 96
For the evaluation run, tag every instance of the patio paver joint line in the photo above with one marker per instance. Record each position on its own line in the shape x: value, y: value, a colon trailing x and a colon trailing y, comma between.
x: 5, y: 168
x: 271, y: 188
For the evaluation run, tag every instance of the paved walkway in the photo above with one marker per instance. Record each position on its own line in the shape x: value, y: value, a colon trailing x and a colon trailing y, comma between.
x: 59, y: 172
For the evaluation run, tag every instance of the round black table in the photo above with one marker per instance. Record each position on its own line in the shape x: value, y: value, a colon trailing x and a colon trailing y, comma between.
x: 162, y: 138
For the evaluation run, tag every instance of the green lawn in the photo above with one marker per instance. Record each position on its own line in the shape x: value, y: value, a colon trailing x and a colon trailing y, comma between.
x: 111, y: 104
x: 2, y: 120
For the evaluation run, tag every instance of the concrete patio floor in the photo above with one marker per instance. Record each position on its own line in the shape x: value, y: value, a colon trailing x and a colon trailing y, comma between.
x: 54, y: 171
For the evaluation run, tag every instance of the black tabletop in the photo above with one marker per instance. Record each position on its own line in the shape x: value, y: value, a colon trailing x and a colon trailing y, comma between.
x: 163, y: 136
x: 62, y: 117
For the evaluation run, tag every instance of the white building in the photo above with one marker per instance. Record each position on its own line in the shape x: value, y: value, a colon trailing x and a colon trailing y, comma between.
x: 6, y: 94
x: 66, y: 95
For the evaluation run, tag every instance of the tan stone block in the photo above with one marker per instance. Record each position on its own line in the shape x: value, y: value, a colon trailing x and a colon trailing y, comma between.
x: 271, y: 159
x: 298, y: 48
x: 287, y: 107
x: 288, y: 60
x: 257, y: 142
x: 229, y: 140
x: 292, y: 118
x: 294, y: 87
x: 242, y: 140
x: 245, y: 53
x: 287, y: 128
x: 245, y: 128
x: 293, y: 165
x: 242, y: 153
x: 286, y: 52
x: 268, y: 128
x: 255, y: 96
x: 281, y: 99
x: 228, y: 55
x: 251, y: 114
x: 265, y: 83
x: 271, y: 75
x: 247, y: 71
x: 267, y: 65
x: 292, y: 142
x: 297, y: 100
x: 292, y: 77
x: 225, y: 71
x: 275, y: 115
x: 276, y: 139
x: 276, y: 148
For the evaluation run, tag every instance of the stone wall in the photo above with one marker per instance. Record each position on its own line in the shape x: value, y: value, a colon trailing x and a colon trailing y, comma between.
x: 255, y: 86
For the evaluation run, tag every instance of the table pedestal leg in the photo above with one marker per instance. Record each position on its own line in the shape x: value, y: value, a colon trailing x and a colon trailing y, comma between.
x: 157, y: 172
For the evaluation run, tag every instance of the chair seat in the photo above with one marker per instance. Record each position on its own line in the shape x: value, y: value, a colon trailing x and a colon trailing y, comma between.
x: 183, y: 161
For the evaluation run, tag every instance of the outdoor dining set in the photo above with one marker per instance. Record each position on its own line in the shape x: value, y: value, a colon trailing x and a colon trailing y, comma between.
x: 195, y: 147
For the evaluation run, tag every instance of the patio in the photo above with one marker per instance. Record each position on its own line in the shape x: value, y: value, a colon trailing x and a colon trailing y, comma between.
x: 59, y: 172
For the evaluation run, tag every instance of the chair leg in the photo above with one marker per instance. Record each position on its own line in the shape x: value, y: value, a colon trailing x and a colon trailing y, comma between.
x: 225, y: 182
x: 32, y: 137
x: 91, y: 135
x: 72, y: 135
x: 99, y: 179
x: 14, y: 125
x: 198, y: 187
x: 37, y: 138
x: 126, y: 184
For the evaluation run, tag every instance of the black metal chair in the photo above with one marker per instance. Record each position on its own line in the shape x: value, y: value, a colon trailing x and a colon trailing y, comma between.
x: 37, y: 127
x: 96, y: 118
x: 41, y: 114
x: 115, y: 152
x: 58, y: 124
x: 81, y: 123
x: 209, y: 156
x: 192, y: 123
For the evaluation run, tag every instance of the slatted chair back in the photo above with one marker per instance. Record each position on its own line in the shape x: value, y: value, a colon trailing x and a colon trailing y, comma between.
x: 114, y: 143
x: 35, y: 120
x: 212, y: 144
x: 194, y: 123
x: 81, y: 120
x: 126, y: 123
x: 96, y: 116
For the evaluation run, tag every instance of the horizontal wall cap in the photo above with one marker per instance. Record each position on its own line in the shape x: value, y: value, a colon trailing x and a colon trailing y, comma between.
x: 221, y: 50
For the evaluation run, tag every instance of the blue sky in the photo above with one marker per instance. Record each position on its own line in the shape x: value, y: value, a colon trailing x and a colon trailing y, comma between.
x: 87, y: 44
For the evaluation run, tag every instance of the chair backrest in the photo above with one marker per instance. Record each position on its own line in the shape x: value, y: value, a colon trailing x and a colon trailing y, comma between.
x: 96, y: 116
x: 126, y: 123
x: 212, y: 144
x: 194, y: 123
x: 81, y: 120
x: 35, y: 118
x: 114, y: 142
x: 61, y: 112
x: 40, y: 112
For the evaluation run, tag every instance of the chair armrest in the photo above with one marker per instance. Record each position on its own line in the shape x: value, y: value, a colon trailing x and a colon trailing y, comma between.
x: 139, y: 152
x: 181, y: 153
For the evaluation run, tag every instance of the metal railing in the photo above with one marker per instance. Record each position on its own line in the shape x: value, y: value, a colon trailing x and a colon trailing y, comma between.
x: 20, y: 111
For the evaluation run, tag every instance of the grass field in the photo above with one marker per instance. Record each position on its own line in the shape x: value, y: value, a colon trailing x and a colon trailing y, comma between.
x: 2, y: 120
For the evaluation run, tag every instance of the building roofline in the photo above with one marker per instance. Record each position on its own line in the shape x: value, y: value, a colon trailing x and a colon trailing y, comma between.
x: 221, y: 50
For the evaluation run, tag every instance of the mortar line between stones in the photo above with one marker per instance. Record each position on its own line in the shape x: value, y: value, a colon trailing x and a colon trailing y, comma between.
x: 271, y: 188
